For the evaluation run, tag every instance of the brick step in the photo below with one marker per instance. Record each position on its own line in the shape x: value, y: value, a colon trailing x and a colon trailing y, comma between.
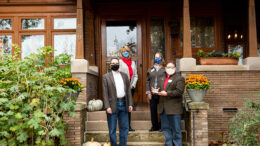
x: 135, y: 115
x: 137, y: 125
x: 136, y: 136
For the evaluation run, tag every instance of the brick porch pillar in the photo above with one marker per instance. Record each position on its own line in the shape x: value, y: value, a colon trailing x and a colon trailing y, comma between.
x: 76, y: 126
x: 199, y: 115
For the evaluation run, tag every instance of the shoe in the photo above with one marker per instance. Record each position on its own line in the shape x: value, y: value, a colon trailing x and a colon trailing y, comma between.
x: 130, y: 129
x: 153, y: 129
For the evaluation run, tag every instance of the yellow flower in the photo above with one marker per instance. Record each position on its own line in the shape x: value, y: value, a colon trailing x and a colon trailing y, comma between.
x: 65, y: 82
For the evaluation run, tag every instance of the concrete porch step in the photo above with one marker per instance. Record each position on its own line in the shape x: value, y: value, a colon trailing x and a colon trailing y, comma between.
x: 136, y: 136
x: 150, y: 144
x: 135, y: 115
x: 137, y: 125
x: 102, y: 125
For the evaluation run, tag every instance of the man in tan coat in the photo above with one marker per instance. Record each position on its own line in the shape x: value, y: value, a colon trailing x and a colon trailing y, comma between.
x: 170, y: 105
x: 118, y: 102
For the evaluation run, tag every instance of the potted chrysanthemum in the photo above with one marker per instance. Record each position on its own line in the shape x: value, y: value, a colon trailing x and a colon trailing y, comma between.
x: 197, y: 86
x: 73, y: 84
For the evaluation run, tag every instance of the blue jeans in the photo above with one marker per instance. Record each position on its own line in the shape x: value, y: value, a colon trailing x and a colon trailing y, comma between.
x: 171, y: 128
x: 122, y: 115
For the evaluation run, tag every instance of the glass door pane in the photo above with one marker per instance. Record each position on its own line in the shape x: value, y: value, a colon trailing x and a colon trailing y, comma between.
x: 157, y: 34
x: 118, y: 34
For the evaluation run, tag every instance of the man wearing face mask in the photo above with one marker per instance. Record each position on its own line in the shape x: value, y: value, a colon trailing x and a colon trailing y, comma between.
x: 170, y: 104
x: 154, y: 73
x: 118, y: 102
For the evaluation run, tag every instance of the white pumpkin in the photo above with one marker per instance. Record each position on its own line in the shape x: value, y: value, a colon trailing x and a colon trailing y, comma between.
x: 92, y: 143
x: 95, y: 105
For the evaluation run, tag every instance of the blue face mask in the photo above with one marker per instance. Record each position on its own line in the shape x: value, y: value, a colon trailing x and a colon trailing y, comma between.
x: 125, y: 54
x: 158, y: 60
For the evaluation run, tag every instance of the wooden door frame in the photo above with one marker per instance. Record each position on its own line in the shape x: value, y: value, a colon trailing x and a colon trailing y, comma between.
x: 140, y: 58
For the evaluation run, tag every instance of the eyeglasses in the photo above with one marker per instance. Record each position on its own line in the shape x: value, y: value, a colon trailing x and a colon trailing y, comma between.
x: 170, y: 67
x: 114, y: 63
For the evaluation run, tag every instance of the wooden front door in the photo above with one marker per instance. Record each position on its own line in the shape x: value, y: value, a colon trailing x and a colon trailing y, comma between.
x: 116, y: 33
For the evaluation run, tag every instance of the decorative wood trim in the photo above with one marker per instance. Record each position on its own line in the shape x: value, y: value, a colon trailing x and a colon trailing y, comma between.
x: 79, y: 32
x: 187, y: 51
x: 38, y: 9
x: 252, y: 30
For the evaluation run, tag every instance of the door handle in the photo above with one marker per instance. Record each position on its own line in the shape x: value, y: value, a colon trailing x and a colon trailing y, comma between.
x: 141, y: 65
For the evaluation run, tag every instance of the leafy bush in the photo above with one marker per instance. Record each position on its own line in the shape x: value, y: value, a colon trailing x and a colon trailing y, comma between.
x: 245, y: 125
x: 31, y: 101
x: 63, y: 58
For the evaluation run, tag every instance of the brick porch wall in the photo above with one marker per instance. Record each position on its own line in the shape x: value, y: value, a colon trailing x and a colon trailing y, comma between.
x: 228, y: 89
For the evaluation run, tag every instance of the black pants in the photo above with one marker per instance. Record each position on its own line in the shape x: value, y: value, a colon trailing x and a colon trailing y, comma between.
x: 129, y: 114
x: 153, y: 109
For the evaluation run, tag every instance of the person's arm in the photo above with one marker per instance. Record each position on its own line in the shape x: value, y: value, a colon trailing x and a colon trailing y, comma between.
x: 179, y: 88
x: 129, y: 94
x: 105, y: 92
x: 148, y: 79
x: 135, y: 75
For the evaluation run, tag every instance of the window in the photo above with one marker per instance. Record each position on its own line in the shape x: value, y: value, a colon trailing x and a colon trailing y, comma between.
x: 65, y: 43
x: 33, y: 34
x: 33, y: 23
x: 64, y: 36
x: 6, y: 44
x: 5, y: 24
x: 30, y: 44
x: 157, y: 34
x: 65, y: 23
x: 202, y: 32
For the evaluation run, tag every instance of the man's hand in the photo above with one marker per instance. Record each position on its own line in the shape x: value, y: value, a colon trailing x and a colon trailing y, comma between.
x: 149, y: 96
x: 109, y: 110
x: 162, y: 93
x: 132, y: 87
x: 155, y: 91
x: 130, y: 108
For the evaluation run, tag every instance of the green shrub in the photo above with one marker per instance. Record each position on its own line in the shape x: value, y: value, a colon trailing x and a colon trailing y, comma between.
x: 32, y: 101
x: 245, y: 125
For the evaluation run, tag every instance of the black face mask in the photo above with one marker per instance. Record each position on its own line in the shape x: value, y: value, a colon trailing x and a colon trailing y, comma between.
x: 115, y: 67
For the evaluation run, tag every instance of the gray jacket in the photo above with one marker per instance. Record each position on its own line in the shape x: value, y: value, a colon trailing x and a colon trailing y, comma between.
x: 152, y: 74
x: 109, y: 91
x: 124, y: 68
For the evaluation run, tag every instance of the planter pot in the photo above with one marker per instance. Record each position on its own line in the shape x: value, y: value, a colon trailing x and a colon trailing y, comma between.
x: 196, y: 95
x: 218, y: 61
x: 73, y: 96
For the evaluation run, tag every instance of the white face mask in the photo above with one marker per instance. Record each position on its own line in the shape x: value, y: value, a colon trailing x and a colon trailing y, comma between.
x: 170, y: 71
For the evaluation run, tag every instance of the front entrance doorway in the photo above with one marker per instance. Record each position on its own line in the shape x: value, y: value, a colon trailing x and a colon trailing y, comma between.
x: 117, y: 33
x: 143, y: 26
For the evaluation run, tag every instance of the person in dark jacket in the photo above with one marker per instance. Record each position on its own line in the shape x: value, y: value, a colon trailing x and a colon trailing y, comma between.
x: 171, y: 87
x: 153, y: 75
x: 117, y: 102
